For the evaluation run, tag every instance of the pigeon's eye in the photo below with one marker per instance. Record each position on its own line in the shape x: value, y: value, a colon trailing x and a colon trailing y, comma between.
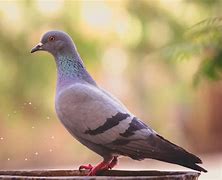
x: 51, y: 38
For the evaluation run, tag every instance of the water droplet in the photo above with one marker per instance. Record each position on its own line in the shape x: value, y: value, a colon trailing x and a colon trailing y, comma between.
x: 1, y: 138
x: 26, y: 159
x: 50, y: 150
x: 36, y: 153
x: 47, y: 117
x: 8, y: 159
x: 33, y: 127
x: 30, y: 103
x: 52, y: 137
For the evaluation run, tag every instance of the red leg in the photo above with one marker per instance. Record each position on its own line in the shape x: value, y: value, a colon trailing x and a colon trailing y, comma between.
x: 98, y: 168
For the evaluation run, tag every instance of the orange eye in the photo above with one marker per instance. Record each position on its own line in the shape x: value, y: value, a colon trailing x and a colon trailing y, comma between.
x: 51, y: 38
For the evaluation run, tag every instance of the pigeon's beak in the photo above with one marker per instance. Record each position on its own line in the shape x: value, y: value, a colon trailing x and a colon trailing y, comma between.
x: 38, y: 47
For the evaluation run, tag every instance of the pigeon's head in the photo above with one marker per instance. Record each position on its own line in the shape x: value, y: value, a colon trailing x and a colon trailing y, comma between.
x: 54, y: 42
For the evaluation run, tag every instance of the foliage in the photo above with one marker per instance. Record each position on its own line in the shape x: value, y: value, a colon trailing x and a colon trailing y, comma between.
x: 203, y: 39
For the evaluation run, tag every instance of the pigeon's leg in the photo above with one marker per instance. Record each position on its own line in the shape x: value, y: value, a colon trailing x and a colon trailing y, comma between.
x: 103, y: 166
x: 98, y: 168
x: 113, y: 162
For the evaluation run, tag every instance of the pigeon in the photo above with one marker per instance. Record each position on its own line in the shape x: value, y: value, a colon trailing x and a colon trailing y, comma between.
x: 99, y: 120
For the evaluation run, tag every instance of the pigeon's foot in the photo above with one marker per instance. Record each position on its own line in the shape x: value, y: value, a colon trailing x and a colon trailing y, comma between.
x: 103, y: 166
x: 98, y: 168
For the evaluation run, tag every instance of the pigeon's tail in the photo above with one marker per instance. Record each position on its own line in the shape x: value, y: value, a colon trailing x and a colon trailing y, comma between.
x: 177, y: 155
x: 161, y: 149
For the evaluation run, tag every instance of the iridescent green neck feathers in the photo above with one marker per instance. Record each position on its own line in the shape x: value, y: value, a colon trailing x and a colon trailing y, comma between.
x: 70, y: 69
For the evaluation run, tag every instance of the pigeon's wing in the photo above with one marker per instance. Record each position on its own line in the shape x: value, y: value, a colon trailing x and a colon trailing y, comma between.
x: 92, y: 115
x: 95, y: 116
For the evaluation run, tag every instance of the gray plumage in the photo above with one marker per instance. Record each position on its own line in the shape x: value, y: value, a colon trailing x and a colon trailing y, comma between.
x: 96, y: 118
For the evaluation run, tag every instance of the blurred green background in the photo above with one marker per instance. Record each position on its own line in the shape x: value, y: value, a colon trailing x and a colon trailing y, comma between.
x: 162, y: 58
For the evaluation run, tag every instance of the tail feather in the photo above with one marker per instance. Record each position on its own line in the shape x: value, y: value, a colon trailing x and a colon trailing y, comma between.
x: 180, y: 156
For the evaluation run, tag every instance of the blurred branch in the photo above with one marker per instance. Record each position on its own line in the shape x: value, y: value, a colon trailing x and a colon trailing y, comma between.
x: 203, y: 40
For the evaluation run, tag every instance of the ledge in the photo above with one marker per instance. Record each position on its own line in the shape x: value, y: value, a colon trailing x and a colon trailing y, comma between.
x: 112, y: 174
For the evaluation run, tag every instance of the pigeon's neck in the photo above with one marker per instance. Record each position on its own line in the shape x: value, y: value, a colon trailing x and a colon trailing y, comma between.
x: 70, y: 69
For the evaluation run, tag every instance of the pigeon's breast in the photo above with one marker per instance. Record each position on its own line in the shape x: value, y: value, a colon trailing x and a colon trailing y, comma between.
x: 69, y: 108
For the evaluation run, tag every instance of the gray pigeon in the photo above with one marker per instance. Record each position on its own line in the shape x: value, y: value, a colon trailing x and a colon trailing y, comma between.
x: 99, y: 120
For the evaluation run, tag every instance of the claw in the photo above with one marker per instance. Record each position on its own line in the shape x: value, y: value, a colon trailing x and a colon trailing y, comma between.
x: 82, y: 167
